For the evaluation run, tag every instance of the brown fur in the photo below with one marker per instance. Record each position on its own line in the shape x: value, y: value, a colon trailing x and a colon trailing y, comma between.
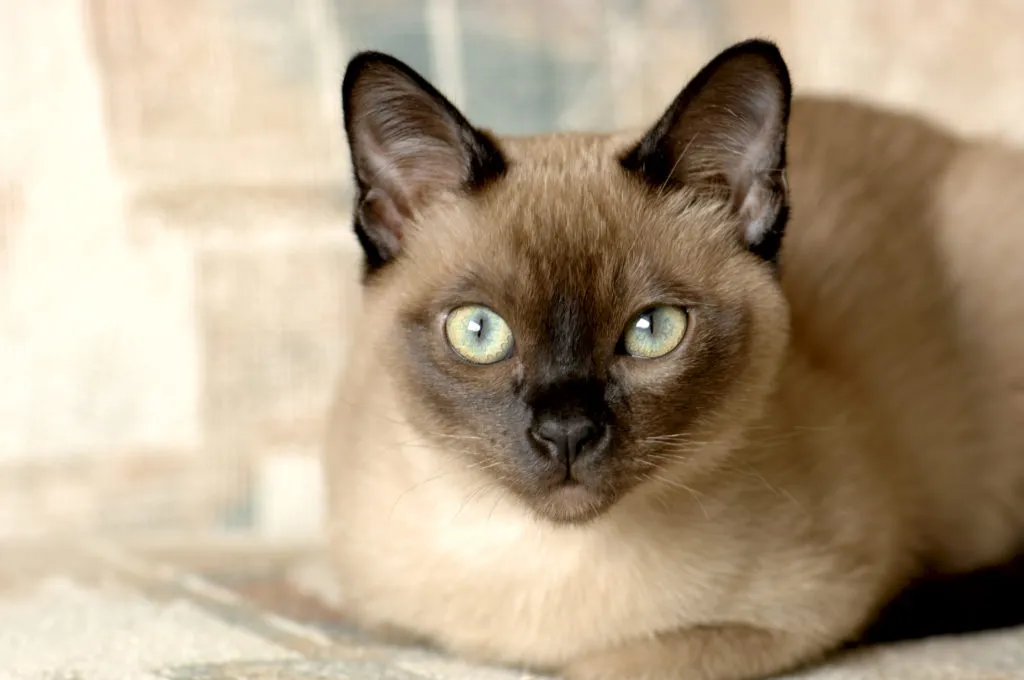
x: 815, y: 444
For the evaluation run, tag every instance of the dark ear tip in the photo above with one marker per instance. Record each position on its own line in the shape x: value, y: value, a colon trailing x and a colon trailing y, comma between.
x: 760, y: 47
x: 764, y: 50
x: 362, y: 62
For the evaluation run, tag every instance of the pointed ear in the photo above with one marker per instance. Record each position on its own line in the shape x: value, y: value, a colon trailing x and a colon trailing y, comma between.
x: 726, y: 132
x: 409, y: 145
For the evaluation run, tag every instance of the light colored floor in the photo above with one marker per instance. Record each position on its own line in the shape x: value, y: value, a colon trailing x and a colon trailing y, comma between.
x: 219, y: 611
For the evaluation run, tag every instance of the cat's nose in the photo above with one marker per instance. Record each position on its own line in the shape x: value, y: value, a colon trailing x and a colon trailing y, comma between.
x: 566, y: 438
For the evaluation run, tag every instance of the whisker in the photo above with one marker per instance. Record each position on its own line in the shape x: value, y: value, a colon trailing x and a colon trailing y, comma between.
x: 479, y: 491
x: 413, y: 488
x: 676, y: 484
x: 500, y: 498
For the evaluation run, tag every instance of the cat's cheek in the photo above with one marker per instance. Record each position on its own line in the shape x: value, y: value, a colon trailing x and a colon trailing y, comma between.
x: 639, y: 379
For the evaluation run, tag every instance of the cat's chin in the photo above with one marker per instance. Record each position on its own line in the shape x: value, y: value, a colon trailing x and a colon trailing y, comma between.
x: 572, y: 503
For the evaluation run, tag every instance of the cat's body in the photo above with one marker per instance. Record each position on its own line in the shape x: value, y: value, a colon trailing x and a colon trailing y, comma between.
x: 865, y: 423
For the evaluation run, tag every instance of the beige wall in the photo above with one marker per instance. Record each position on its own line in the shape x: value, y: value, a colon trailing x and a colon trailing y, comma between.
x: 176, y: 268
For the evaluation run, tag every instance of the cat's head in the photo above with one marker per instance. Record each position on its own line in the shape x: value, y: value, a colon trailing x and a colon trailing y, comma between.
x: 577, y: 315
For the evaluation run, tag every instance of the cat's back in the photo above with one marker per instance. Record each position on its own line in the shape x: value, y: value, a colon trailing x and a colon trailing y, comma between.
x: 902, y: 266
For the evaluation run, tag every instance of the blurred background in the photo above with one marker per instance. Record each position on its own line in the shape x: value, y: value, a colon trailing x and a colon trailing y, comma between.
x: 177, y: 273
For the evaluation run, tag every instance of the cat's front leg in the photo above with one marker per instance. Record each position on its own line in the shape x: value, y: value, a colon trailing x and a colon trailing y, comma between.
x: 703, y: 653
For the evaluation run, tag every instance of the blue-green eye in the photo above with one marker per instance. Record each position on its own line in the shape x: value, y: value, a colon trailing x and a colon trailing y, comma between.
x: 478, y: 335
x: 654, y: 332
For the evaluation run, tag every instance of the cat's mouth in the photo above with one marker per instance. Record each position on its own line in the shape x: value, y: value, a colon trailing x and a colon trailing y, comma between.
x: 572, y: 501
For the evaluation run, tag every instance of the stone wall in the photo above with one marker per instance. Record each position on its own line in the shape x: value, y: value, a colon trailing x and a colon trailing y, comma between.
x: 177, y: 275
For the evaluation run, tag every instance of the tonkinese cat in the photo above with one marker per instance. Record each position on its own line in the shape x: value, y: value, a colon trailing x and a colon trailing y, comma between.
x: 685, y: 403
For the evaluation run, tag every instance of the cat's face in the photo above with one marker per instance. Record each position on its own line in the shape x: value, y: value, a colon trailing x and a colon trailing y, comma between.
x: 577, y: 315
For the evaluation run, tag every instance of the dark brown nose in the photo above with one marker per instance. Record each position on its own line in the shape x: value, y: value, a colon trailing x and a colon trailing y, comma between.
x: 566, y: 438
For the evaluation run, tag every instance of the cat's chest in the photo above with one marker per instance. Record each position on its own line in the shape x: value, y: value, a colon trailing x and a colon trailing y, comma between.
x: 474, y: 571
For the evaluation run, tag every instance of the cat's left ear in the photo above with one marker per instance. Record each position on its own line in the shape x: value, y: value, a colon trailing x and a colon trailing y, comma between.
x: 409, y: 146
x: 726, y: 132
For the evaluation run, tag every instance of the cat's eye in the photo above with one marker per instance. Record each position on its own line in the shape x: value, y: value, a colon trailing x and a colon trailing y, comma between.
x: 654, y: 332
x: 478, y: 334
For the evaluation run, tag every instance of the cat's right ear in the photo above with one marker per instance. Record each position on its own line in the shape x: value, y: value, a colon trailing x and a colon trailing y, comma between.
x: 409, y: 146
x: 726, y: 132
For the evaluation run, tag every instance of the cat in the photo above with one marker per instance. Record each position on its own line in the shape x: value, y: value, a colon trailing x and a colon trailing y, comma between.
x: 690, y: 402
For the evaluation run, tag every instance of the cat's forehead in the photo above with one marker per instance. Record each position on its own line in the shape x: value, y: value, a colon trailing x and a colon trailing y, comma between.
x: 567, y: 224
x: 565, y: 192
x: 562, y: 197
x: 545, y: 172
x: 564, y: 213
x: 568, y: 197
x: 576, y: 150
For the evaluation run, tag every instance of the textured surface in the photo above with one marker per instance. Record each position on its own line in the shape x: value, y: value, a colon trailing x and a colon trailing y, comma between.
x: 96, y: 612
